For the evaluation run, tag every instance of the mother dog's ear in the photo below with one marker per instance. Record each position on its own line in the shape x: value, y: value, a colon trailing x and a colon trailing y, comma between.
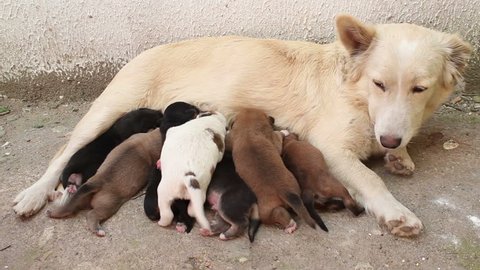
x: 457, y: 54
x: 354, y: 35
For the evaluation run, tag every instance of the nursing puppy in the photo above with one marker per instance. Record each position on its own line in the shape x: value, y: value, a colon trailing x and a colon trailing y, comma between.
x: 317, y: 183
x: 256, y: 149
x: 175, y: 114
x: 122, y: 175
x: 365, y: 94
x: 188, y: 159
x: 234, y: 201
x: 85, y: 162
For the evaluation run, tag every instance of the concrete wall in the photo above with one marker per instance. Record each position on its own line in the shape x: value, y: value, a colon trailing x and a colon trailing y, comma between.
x: 73, y: 48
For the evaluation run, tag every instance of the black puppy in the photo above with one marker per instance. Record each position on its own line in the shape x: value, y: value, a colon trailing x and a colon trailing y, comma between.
x: 234, y: 201
x: 85, y: 162
x: 175, y: 114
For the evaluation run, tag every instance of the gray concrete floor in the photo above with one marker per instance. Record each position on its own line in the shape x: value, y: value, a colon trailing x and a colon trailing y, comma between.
x: 444, y: 192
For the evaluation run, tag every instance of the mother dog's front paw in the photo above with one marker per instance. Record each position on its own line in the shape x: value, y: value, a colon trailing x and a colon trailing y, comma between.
x: 399, y: 165
x: 31, y: 200
x: 394, y: 217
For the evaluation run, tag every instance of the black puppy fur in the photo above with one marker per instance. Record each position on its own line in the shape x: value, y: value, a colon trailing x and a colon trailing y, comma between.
x: 85, y: 162
x: 234, y: 201
x: 175, y: 114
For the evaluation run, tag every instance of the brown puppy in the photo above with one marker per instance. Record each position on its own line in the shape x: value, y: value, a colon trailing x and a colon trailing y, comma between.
x: 308, y: 165
x: 122, y: 175
x: 256, y: 149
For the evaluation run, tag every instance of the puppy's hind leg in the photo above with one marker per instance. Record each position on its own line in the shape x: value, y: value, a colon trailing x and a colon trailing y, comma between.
x: 166, y: 214
x: 104, y: 206
x: 197, y: 199
x: 280, y: 216
x: 150, y: 203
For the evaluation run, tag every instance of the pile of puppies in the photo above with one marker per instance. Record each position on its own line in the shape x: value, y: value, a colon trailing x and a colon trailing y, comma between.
x: 250, y: 175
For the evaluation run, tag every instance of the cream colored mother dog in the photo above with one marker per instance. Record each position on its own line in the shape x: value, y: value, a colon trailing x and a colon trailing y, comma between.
x: 365, y: 94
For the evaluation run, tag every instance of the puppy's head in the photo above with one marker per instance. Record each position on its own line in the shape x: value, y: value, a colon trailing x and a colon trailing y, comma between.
x: 177, y: 114
x: 405, y: 71
x: 252, y: 118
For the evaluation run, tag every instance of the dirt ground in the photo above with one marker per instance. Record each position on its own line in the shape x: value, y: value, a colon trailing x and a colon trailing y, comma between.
x: 444, y: 192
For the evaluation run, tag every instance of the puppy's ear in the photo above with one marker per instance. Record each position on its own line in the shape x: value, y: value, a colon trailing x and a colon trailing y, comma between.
x: 457, y: 54
x: 192, y: 111
x: 272, y: 120
x: 355, y: 36
x: 230, y: 125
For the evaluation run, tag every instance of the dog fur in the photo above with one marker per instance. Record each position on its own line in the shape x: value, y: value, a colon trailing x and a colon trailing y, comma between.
x: 317, y: 183
x: 375, y: 80
x: 188, y: 159
x: 256, y: 149
x: 175, y: 114
x: 234, y: 201
x: 119, y: 178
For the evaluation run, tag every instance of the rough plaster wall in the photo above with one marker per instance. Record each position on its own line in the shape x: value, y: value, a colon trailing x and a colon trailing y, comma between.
x: 79, y: 45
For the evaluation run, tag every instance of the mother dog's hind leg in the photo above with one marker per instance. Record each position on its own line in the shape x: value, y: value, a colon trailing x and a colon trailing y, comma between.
x: 99, y: 118
x: 369, y: 190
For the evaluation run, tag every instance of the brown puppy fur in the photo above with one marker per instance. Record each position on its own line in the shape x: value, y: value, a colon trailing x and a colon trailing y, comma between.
x: 119, y: 178
x: 317, y: 183
x: 256, y: 151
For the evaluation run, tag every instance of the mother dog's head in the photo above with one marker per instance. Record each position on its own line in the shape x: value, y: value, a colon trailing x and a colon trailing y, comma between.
x: 405, y: 71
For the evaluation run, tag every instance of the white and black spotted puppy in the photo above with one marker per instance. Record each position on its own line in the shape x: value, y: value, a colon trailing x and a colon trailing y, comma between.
x: 189, y: 156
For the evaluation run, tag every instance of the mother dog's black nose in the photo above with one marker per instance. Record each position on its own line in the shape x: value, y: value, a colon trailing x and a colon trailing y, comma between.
x: 390, y: 141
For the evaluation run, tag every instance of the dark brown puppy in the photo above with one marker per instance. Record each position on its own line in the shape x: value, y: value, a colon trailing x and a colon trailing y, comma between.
x: 256, y: 149
x: 234, y: 201
x: 308, y: 165
x: 122, y: 175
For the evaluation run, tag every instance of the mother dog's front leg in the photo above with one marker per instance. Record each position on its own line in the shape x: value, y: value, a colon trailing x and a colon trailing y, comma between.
x: 398, y: 161
x: 368, y: 189
x: 99, y: 118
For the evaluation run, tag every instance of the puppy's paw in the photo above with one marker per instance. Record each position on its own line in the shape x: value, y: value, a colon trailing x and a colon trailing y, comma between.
x: 395, y: 218
x: 72, y: 189
x: 31, y: 200
x: 181, y: 227
x: 100, y: 232
x: 291, y: 227
x: 223, y: 237
x: 399, y: 165
x: 205, y: 232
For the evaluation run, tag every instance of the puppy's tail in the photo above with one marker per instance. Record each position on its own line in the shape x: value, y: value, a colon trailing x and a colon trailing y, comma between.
x: 309, y: 202
x: 254, y: 223
x: 80, y: 200
x: 150, y: 204
x: 295, y: 202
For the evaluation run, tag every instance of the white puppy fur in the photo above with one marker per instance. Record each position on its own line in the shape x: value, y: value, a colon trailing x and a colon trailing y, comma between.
x: 189, y: 156
x: 376, y: 80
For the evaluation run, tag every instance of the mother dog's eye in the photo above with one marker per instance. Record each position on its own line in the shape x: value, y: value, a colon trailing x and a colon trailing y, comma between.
x: 379, y: 84
x: 419, y: 89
